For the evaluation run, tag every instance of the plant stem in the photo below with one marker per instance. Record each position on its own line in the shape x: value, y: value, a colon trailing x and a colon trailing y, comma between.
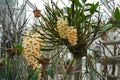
x: 72, y: 7
x: 78, y: 75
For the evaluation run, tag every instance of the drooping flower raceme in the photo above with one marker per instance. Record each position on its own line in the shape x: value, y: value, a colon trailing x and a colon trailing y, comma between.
x: 31, y: 50
x: 72, y: 35
x: 67, y: 32
x: 62, y: 26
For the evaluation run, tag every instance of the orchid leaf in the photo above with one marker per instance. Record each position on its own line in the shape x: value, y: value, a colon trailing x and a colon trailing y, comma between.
x: 44, y: 49
x: 17, y: 46
x: 84, y: 1
x: 117, y: 14
x: 50, y: 72
x: 35, y: 76
x: 77, y: 3
x: 106, y: 28
x: 94, y: 8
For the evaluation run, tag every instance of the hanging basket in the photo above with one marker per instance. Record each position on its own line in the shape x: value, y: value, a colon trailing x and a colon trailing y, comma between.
x: 36, y: 13
x: 78, y: 50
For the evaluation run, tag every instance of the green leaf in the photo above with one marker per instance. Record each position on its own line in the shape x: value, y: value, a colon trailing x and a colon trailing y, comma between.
x: 50, y: 72
x: 35, y: 76
x: 106, y: 28
x: 43, y: 49
x: 77, y: 3
x: 84, y: 1
x: 17, y: 46
x: 43, y: 69
x: 117, y: 14
x: 94, y: 8
x: 10, y: 65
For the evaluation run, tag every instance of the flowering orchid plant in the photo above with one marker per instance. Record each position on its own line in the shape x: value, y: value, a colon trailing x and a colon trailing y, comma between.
x: 75, y: 28
x: 32, y: 51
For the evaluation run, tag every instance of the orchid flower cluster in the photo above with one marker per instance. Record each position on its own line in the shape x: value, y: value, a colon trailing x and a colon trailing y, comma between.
x: 32, y: 49
x: 66, y: 32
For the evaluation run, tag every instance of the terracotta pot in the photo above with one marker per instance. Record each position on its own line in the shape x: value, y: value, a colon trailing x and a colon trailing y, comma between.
x: 10, y: 52
x: 36, y: 13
